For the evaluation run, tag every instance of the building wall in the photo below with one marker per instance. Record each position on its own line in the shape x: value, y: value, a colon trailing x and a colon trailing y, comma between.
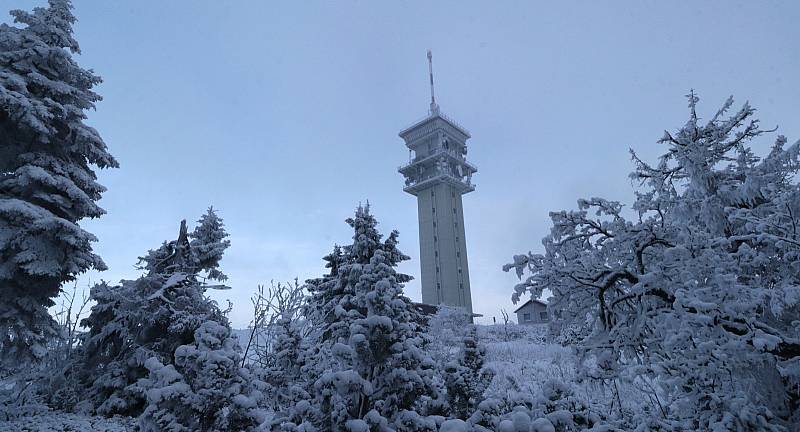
x: 534, y: 311
x: 443, y: 249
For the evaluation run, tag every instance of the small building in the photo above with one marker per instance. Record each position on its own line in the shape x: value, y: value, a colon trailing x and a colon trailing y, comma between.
x: 532, y: 312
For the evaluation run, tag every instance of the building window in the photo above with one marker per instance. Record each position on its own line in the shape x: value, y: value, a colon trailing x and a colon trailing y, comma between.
x: 458, y: 254
x: 526, y: 317
x: 435, y: 239
x: 437, y: 269
x: 438, y: 286
x: 434, y: 209
x: 454, y: 210
x: 434, y: 223
x: 436, y: 253
x: 543, y: 316
x: 431, y: 192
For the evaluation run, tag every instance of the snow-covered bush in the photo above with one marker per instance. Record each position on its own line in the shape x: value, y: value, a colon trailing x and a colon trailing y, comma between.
x: 694, y: 300
x: 46, y: 180
x: 283, y: 372
x: 531, y: 334
x: 144, y: 318
x: 277, y: 313
x: 466, y: 378
x: 446, y: 331
x: 555, y: 408
x: 205, y: 389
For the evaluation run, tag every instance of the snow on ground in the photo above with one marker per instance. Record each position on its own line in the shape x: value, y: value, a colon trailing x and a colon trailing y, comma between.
x: 65, y: 422
x: 519, y: 356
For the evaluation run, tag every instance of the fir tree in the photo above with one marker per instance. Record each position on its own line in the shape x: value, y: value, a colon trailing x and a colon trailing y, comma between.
x: 149, y: 317
x: 466, y: 379
x: 284, y: 375
x: 208, y: 243
x: 204, y: 390
x: 46, y: 180
x: 368, y: 365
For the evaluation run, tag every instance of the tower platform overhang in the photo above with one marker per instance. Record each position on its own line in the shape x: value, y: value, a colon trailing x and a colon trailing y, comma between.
x: 462, y: 187
x: 439, y: 120
x: 431, y: 159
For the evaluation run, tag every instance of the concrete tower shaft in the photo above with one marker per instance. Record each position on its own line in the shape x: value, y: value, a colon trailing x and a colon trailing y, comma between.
x: 438, y: 174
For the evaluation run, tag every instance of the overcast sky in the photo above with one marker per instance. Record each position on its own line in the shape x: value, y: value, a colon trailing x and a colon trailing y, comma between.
x: 284, y: 115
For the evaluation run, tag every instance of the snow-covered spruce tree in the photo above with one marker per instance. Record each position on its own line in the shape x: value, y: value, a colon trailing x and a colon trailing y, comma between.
x: 695, y: 300
x: 466, y: 379
x: 208, y: 242
x: 282, y: 354
x: 144, y: 318
x: 370, y: 370
x: 205, y: 389
x: 323, y: 309
x: 46, y: 180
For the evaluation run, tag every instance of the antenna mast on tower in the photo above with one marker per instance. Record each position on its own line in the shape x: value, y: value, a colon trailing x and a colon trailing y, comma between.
x: 434, y: 107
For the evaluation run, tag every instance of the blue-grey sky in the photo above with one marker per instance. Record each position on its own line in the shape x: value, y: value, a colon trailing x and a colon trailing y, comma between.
x: 284, y: 115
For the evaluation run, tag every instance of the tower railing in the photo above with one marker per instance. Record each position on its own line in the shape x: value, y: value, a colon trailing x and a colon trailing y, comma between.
x: 413, y: 181
x: 439, y: 151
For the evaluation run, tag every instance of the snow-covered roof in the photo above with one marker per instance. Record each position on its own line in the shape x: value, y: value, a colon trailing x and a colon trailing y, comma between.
x: 432, y: 117
x: 529, y: 301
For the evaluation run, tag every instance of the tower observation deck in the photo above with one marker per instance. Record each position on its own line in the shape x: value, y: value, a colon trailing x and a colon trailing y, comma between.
x: 438, y: 174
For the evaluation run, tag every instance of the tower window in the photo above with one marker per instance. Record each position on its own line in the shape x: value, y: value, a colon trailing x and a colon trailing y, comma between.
x: 458, y: 254
x: 454, y: 210
x: 435, y: 239
x: 437, y: 269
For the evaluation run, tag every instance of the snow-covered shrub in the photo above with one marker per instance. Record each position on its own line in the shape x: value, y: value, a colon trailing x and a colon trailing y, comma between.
x: 466, y: 378
x: 137, y: 320
x: 277, y: 312
x: 556, y: 408
x: 531, y: 334
x: 47, y: 184
x: 283, y: 373
x: 446, y: 331
x: 695, y: 299
x: 205, y: 389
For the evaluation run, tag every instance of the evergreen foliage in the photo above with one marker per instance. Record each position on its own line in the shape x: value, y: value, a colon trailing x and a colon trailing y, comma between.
x: 284, y: 374
x: 368, y: 368
x: 146, y: 318
x: 466, y: 379
x: 47, y: 183
x: 205, y: 389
